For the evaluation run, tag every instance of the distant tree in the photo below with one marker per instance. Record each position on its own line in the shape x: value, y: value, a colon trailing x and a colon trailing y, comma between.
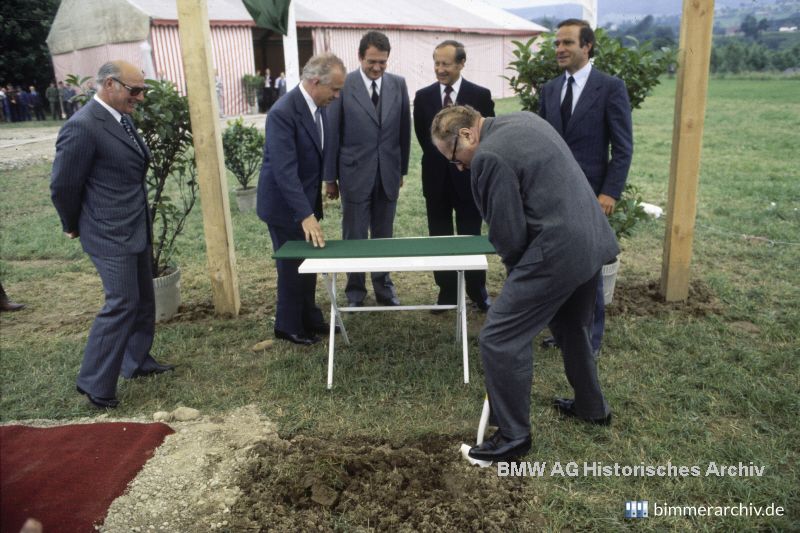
x: 752, y: 28
x: 24, y: 25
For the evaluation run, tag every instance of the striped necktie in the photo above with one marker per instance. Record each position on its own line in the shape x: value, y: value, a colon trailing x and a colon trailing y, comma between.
x: 129, y: 130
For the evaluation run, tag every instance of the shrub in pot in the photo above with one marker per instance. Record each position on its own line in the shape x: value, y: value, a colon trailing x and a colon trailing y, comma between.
x: 163, y: 120
x: 243, y: 145
x: 253, y: 84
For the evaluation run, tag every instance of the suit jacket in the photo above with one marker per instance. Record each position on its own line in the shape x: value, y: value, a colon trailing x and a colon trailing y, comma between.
x: 601, y: 117
x: 539, y: 207
x: 370, y: 146
x: 98, y: 184
x: 290, y: 183
x: 438, y: 175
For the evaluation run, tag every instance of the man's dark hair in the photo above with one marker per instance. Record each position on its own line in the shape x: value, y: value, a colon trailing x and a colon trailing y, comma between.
x: 461, y: 54
x: 374, y: 38
x: 587, y: 34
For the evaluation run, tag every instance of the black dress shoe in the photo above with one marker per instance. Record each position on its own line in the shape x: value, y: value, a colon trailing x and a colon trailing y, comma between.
x: 296, y: 338
x: 324, y: 329
x: 355, y: 304
x: 498, y: 448
x: 566, y: 406
x: 391, y: 302
x: 98, y: 402
x: 483, y: 306
x: 6, y: 305
x: 157, y: 369
x: 549, y: 342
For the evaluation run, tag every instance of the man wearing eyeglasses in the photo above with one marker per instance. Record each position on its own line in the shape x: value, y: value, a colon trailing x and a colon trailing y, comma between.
x: 551, y: 234
x: 98, y: 189
x: 446, y: 188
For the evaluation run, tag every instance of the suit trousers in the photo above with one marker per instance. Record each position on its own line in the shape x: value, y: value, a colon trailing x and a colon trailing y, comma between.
x: 296, y: 311
x: 468, y: 222
x: 373, y: 218
x: 122, y: 333
x: 506, y: 344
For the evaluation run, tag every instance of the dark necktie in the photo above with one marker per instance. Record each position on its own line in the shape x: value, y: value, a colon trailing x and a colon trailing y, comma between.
x: 566, y: 105
x: 447, y: 100
x: 129, y: 130
x: 375, y: 96
x: 318, y: 122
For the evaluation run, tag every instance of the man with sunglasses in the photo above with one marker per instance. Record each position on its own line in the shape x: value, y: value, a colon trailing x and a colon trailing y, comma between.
x: 551, y: 234
x: 98, y: 189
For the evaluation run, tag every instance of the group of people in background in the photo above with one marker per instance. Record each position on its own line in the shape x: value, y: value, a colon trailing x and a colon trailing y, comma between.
x: 19, y: 105
x: 274, y: 88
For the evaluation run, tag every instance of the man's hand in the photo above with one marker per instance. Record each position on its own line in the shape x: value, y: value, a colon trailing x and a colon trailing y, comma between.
x: 313, y: 231
x: 331, y: 190
x: 71, y: 234
x: 607, y: 203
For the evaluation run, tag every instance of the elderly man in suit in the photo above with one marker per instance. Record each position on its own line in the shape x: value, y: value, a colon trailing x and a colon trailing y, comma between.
x: 549, y: 231
x: 98, y: 189
x: 298, y: 140
x: 372, y: 121
x: 446, y: 188
x: 592, y: 112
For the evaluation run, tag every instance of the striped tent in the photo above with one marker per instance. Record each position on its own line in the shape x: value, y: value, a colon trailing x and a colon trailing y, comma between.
x: 86, y: 33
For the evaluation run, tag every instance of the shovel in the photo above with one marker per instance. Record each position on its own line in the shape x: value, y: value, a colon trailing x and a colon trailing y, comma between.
x: 481, y: 430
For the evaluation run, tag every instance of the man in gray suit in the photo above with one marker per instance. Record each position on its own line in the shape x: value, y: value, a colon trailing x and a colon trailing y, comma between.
x: 548, y: 229
x: 372, y: 125
x: 98, y: 189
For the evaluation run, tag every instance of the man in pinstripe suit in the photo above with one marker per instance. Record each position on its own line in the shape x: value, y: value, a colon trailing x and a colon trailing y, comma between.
x: 98, y: 189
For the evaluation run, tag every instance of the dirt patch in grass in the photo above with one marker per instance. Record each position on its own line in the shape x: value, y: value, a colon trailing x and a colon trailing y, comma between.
x: 644, y: 299
x: 308, y: 484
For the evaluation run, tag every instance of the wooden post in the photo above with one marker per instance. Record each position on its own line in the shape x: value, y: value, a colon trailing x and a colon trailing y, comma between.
x: 195, y: 36
x: 687, y: 142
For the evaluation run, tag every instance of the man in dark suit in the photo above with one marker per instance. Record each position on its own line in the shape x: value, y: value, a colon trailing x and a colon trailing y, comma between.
x: 549, y: 231
x: 98, y: 189
x: 372, y: 121
x: 298, y: 139
x: 446, y: 188
x: 591, y: 111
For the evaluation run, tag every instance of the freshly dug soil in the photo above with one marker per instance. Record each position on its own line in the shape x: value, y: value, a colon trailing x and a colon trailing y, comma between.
x: 644, y: 299
x: 308, y: 484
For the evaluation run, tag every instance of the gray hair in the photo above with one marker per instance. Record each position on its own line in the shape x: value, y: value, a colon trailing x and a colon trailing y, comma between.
x: 449, y: 121
x: 321, y: 66
x: 108, y: 70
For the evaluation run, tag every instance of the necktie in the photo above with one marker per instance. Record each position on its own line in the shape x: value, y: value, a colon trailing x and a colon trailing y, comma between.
x: 447, y: 100
x: 129, y: 130
x: 318, y: 122
x: 566, y: 105
x: 375, y: 94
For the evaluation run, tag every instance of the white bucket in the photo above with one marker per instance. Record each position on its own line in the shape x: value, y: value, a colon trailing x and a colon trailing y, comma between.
x: 609, y: 280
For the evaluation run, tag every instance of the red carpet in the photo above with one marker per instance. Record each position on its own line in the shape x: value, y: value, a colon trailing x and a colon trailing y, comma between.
x: 67, y: 476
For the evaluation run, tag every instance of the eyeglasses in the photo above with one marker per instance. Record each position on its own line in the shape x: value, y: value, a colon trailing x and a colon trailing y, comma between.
x: 133, y: 91
x: 453, y: 159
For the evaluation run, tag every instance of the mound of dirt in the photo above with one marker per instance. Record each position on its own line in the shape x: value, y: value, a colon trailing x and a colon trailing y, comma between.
x: 308, y: 484
x: 644, y: 299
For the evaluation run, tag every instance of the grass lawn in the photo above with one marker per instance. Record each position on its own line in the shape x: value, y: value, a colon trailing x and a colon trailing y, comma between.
x: 714, y: 380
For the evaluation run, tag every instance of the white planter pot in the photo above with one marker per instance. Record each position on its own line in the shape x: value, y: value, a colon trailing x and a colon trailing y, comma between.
x: 246, y: 199
x: 168, y: 295
x: 610, y: 280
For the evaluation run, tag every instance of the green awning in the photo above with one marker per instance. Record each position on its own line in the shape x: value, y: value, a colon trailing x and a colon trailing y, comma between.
x: 270, y: 14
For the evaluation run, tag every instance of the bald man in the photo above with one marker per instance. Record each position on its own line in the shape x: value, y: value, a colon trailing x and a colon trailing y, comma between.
x: 98, y: 189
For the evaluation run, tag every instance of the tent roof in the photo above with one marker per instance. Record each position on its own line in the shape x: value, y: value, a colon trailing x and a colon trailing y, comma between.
x: 85, y: 23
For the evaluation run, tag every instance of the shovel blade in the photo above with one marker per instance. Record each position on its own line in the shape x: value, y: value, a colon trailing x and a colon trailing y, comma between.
x: 465, y: 454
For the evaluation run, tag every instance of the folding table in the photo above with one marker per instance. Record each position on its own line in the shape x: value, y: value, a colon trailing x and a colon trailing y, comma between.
x: 451, y: 253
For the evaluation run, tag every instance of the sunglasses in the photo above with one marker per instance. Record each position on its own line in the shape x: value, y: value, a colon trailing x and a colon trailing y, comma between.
x: 453, y: 159
x: 133, y: 91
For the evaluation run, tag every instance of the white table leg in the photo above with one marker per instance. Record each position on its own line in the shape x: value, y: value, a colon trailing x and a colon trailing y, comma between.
x: 462, y: 312
x: 330, y: 280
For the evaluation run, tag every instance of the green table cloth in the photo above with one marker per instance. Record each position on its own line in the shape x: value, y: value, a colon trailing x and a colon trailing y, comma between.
x: 398, y: 247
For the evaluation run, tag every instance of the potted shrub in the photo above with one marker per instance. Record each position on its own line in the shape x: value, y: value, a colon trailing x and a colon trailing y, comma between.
x: 243, y: 145
x: 252, y: 87
x: 628, y: 212
x: 163, y: 119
